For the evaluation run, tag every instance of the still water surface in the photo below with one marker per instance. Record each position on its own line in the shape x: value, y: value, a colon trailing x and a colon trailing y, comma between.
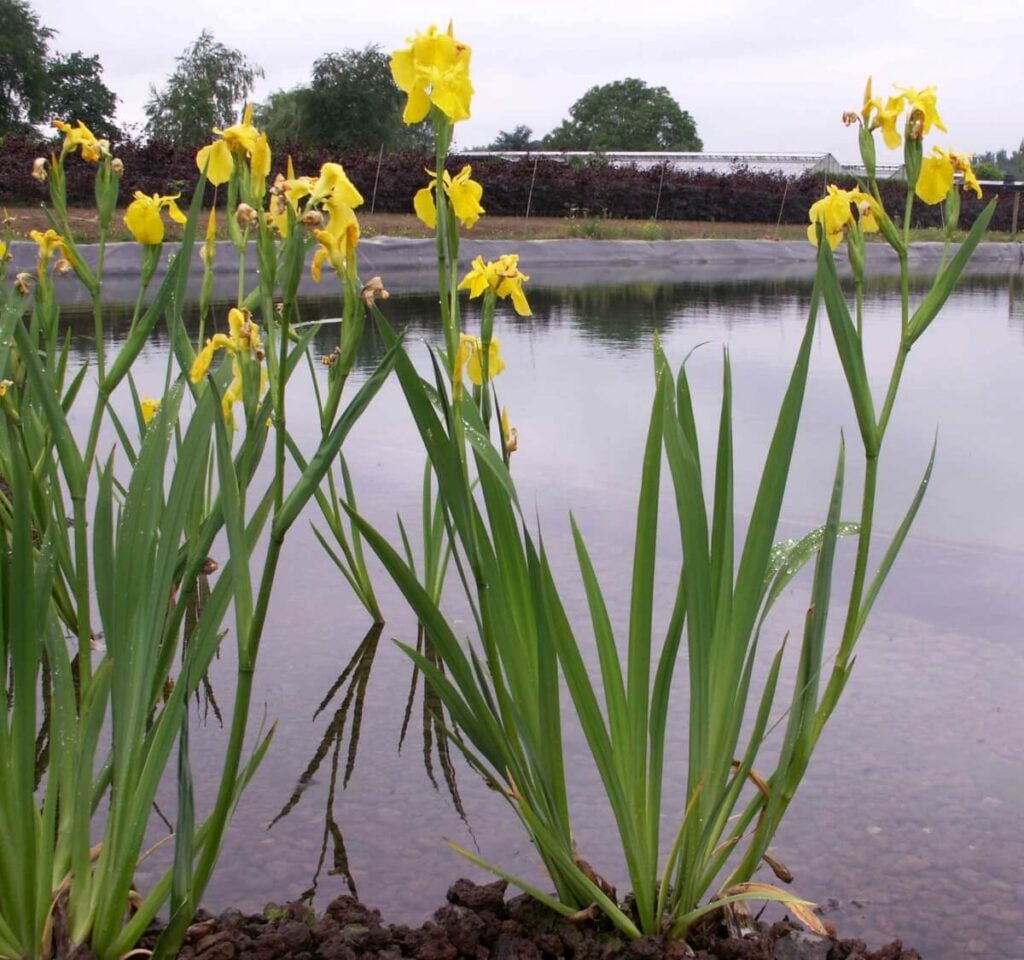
x: 909, y: 822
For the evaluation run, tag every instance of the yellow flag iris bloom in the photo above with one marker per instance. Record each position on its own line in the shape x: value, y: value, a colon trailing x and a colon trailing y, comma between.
x: 503, y: 276
x: 885, y: 116
x: 434, y: 69
x: 938, y: 173
x: 242, y: 341
x: 148, y: 406
x: 143, y: 218
x: 217, y: 158
x: 464, y: 193
x: 83, y: 139
x: 337, y: 241
x: 835, y: 211
x: 469, y: 359
x: 332, y: 182
x: 49, y: 243
x: 337, y: 195
x: 922, y: 112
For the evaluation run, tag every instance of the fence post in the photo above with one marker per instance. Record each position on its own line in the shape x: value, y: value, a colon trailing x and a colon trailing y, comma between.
x: 661, y: 182
x: 529, y: 199
x: 373, y: 199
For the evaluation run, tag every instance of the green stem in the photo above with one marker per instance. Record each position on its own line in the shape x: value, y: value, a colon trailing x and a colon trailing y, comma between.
x: 867, y: 514
x: 239, y: 721
x: 894, y: 383
x: 97, y: 306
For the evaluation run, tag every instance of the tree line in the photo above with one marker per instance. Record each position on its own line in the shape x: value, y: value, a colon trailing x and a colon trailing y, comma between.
x: 349, y: 103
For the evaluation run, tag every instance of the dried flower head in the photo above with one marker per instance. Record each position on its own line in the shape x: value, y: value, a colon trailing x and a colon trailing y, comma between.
x: 39, y: 171
x: 245, y: 215
x: 373, y: 289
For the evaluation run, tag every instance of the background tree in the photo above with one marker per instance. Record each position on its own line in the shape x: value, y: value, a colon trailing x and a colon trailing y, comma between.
x: 283, y: 115
x: 626, y: 115
x: 351, y: 103
x: 23, y: 81
x: 208, y: 89
x: 1008, y: 164
x: 76, y: 91
x: 520, y: 138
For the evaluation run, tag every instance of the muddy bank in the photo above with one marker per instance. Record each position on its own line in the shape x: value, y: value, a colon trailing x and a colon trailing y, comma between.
x: 479, y: 923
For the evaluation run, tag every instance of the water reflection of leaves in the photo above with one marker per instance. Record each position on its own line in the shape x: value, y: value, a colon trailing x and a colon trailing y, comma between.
x: 435, y: 732
x: 356, y: 674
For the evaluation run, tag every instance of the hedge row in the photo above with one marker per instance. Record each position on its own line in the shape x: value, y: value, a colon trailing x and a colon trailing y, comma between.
x: 547, y: 187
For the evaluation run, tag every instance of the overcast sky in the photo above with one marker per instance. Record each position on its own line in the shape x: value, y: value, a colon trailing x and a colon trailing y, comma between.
x: 756, y: 76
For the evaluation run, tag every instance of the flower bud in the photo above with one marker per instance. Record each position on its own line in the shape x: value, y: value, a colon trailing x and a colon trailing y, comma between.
x: 117, y: 165
x: 245, y: 216
x: 39, y: 169
x: 374, y: 290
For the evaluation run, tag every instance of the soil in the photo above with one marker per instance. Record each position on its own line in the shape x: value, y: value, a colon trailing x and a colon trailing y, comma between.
x: 479, y: 923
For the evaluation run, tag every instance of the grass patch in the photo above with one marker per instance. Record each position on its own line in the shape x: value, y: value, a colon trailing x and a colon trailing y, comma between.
x: 83, y: 221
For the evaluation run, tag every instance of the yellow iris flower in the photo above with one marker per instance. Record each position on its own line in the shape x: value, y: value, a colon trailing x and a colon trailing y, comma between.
x: 143, y: 218
x: 148, y: 406
x: 468, y: 359
x: 242, y: 340
x: 922, y: 110
x: 49, y: 243
x: 503, y: 276
x: 338, y: 241
x: 834, y: 212
x: 332, y: 182
x: 938, y: 172
x: 464, y: 193
x: 217, y: 158
x: 339, y: 238
x: 82, y: 138
x: 434, y: 69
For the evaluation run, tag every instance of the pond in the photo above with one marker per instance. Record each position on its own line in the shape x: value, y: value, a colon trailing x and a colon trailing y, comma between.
x: 909, y: 822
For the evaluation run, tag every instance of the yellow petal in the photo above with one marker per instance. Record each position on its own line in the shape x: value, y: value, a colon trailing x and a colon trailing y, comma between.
x: 216, y: 159
x: 260, y: 161
x: 417, y: 106
x: 175, y: 211
x: 423, y: 204
x: 936, y: 179
x: 142, y: 218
